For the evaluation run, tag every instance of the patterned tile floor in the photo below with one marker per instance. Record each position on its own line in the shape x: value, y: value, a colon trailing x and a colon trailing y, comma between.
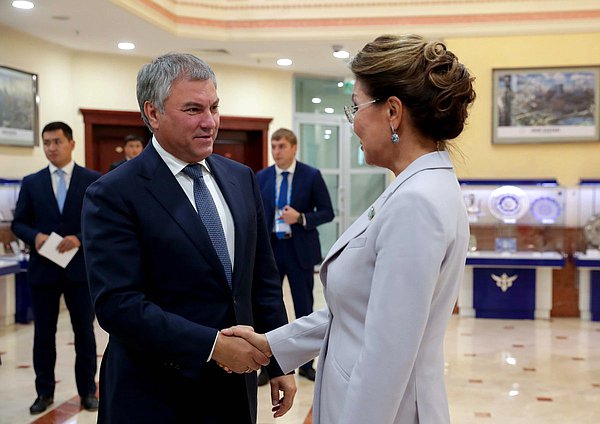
x: 498, y: 371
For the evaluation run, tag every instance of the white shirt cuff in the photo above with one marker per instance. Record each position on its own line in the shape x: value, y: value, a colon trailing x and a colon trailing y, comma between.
x: 213, y: 348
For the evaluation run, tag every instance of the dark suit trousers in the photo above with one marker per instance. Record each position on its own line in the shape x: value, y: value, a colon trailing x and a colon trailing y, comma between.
x: 301, y: 279
x: 216, y: 398
x: 45, y: 301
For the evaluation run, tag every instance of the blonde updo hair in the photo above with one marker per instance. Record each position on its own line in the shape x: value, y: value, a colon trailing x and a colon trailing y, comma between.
x: 427, y: 78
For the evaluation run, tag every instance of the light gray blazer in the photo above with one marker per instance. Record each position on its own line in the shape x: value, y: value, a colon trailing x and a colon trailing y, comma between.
x: 390, y: 282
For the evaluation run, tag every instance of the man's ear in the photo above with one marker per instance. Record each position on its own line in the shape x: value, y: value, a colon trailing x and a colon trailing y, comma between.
x: 152, y: 114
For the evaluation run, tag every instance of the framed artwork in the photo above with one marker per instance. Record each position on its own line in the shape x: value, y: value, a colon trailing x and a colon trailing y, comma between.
x: 18, y: 108
x: 545, y: 105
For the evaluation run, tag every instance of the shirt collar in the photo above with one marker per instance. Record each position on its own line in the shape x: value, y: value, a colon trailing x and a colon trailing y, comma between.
x: 67, y: 169
x: 291, y: 168
x: 175, y: 165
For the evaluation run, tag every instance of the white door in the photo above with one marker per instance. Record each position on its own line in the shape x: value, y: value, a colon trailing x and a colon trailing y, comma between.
x: 329, y: 144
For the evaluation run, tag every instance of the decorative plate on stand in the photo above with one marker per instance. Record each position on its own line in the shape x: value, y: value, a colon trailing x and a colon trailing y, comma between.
x: 592, y: 231
x: 508, y: 203
x: 545, y: 210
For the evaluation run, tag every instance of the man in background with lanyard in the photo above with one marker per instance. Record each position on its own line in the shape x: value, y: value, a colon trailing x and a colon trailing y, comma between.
x: 296, y: 201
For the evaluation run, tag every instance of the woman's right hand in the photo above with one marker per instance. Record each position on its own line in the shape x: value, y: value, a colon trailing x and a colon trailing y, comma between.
x: 259, y: 341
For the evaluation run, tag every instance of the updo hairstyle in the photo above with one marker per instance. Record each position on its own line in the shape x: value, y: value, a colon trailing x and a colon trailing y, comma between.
x: 427, y: 78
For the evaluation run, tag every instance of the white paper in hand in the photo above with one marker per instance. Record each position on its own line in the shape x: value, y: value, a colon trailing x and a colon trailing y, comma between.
x: 50, y: 251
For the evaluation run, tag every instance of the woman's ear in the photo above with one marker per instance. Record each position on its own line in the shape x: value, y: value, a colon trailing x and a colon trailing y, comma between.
x: 396, y: 109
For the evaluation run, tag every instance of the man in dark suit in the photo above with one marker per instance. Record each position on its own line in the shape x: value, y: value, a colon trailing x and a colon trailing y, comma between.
x: 177, y: 249
x: 50, y: 201
x: 134, y: 144
x: 293, y: 215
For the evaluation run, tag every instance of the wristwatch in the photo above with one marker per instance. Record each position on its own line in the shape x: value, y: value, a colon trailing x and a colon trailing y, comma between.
x: 301, y: 220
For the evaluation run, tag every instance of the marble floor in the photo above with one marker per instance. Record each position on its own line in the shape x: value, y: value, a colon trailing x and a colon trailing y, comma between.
x: 497, y: 371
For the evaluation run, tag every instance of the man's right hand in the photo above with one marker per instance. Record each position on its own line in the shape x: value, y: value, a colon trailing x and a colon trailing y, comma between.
x: 238, y: 355
x: 258, y: 340
x: 40, y: 239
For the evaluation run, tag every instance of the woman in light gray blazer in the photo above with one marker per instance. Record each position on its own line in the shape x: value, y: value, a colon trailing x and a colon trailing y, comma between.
x: 391, y: 280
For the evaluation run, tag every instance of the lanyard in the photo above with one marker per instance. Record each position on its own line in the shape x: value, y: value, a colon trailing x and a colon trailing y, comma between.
x: 289, y: 193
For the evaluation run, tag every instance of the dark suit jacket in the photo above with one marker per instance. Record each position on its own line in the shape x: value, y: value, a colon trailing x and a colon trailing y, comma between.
x: 37, y: 211
x: 160, y: 291
x: 117, y: 163
x: 310, y: 197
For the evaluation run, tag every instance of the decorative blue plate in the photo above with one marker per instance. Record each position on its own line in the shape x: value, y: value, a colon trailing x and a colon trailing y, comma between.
x: 545, y: 210
x: 508, y: 203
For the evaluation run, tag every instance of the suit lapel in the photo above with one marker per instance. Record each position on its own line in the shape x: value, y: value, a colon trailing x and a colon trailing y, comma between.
x: 166, y: 190
x: 231, y: 192
x: 298, y: 179
x: 429, y: 161
x: 73, y: 186
x: 268, y: 196
x: 48, y: 191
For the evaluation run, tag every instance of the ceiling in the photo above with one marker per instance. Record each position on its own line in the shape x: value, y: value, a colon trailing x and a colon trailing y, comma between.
x: 257, y: 32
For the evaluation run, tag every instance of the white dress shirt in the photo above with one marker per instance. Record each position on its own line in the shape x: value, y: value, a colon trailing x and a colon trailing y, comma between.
x: 279, y: 178
x: 187, y: 184
x: 67, y: 169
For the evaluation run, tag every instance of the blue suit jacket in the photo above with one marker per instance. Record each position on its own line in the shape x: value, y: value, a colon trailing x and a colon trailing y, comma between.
x: 37, y: 211
x: 310, y: 197
x: 160, y: 291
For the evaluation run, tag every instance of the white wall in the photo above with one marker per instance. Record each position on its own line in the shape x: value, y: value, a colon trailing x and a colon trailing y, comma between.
x: 70, y: 80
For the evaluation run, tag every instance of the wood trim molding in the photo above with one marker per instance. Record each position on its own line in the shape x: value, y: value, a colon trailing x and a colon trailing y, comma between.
x: 93, y: 117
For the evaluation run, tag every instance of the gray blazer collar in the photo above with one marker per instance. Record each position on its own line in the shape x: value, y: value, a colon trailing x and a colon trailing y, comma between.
x: 434, y: 160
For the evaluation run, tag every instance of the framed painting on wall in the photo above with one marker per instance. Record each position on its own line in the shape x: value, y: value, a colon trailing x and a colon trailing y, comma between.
x: 545, y: 105
x: 18, y: 108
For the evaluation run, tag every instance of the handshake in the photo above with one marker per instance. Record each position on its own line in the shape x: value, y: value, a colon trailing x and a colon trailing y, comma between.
x: 239, y: 349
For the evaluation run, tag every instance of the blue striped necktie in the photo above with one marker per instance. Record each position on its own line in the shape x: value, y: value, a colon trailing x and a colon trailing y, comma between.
x: 210, y: 217
x: 61, y: 189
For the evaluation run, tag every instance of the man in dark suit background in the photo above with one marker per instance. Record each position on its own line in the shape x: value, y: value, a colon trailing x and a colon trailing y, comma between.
x: 134, y: 144
x: 177, y: 249
x: 50, y: 201
x: 293, y: 215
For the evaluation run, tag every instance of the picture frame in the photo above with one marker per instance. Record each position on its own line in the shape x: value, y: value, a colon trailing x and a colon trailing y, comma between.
x: 546, y: 105
x: 19, y: 108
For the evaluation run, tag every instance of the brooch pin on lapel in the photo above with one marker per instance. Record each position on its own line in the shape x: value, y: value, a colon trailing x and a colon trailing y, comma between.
x: 371, y: 213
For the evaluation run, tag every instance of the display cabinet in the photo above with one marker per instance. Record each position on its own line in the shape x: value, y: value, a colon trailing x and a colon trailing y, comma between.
x: 588, y: 261
x: 516, y: 242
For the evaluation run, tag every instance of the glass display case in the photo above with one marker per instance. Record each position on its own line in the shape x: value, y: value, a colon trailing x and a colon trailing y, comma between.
x: 588, y: 261
x: 9, y: 192
x: 10, y: 254
x: 516, y: 242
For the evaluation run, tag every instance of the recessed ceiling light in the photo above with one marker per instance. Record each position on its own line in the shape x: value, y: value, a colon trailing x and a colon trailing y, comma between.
x: 341, y: 54
x: 19, y: 4
x: 328, y: 110
x: 316, y: 100
x: 340, y: 84
x: 126, y: 46
x: 284, y: 62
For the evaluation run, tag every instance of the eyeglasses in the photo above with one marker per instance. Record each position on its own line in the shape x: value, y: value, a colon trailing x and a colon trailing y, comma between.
x: 350, y: 111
